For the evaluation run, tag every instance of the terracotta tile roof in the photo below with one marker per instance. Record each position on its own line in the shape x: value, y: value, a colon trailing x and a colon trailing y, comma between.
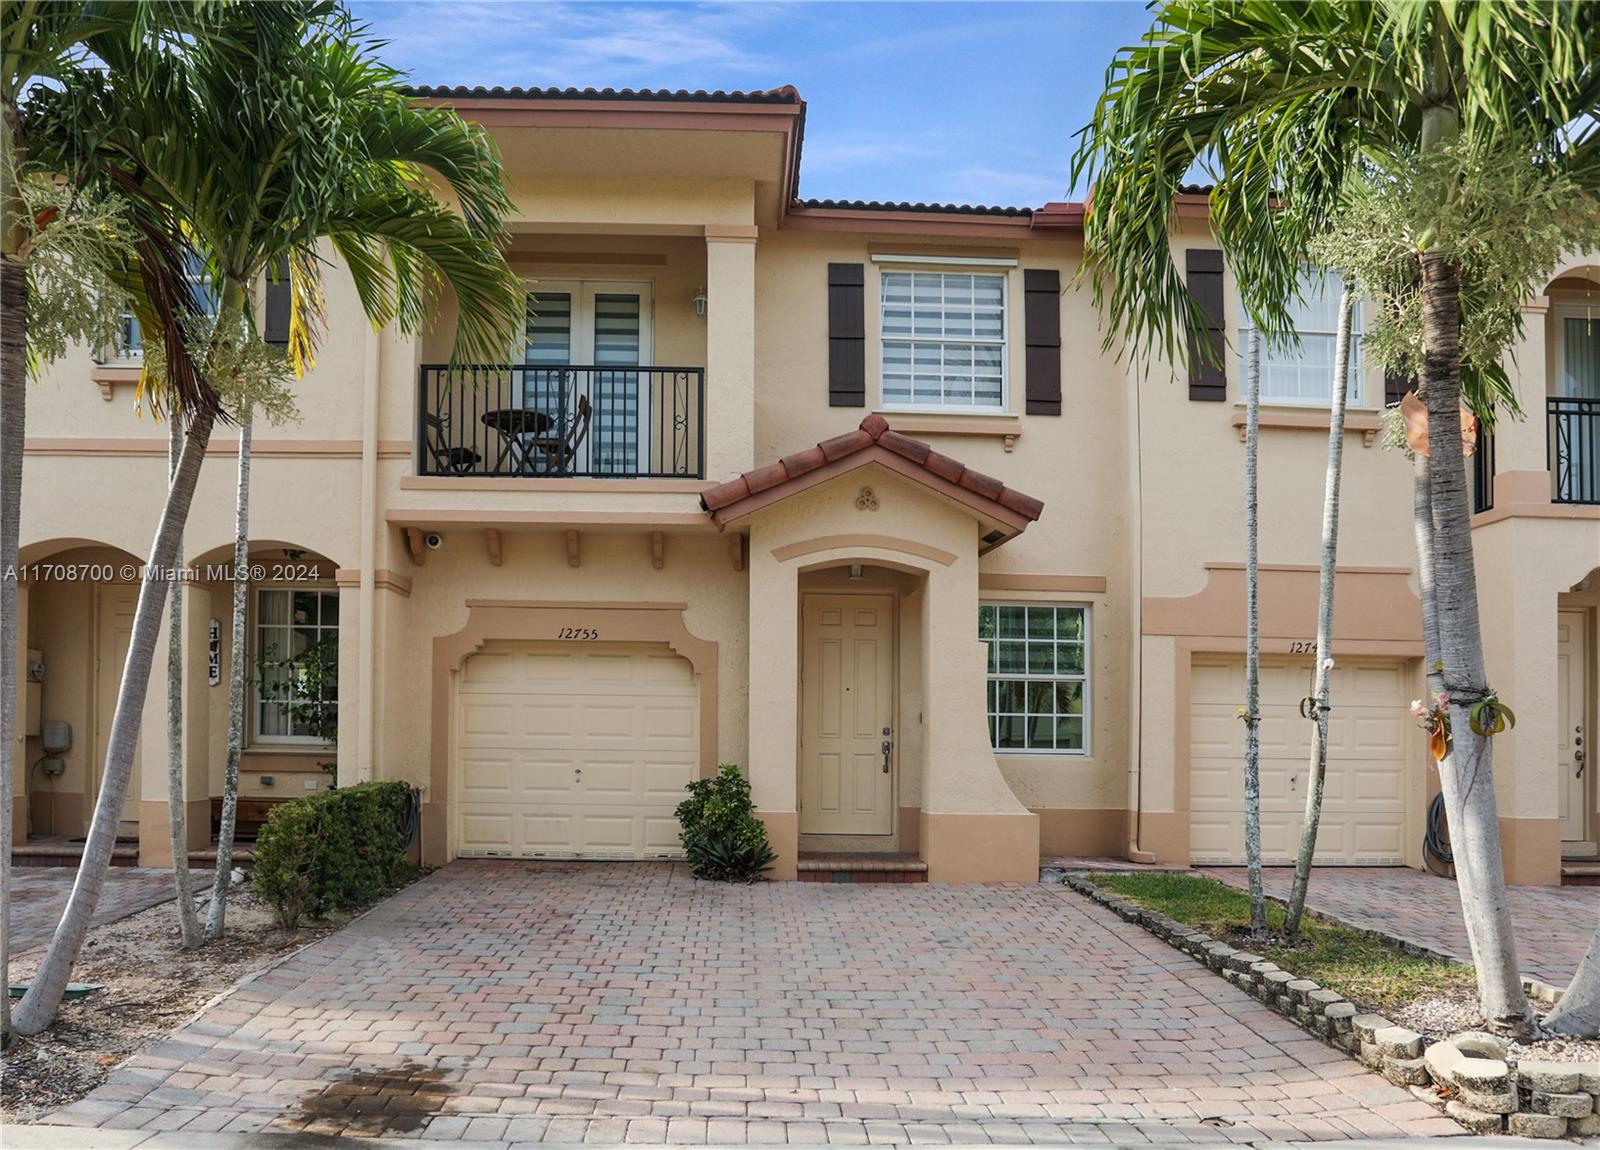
x: 784, y: 95
x: 875, y: 435
x: 905, y: 206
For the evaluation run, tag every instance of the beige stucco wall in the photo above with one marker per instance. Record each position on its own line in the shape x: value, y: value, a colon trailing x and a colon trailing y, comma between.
x: 1141, y: 486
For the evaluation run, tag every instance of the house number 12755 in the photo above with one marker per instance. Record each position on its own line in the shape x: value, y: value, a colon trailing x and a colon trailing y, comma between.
x: 578, y: 633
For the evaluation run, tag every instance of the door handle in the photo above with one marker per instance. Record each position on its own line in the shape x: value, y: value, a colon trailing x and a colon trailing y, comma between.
x: 1577, y: 751
x: 888, y: 748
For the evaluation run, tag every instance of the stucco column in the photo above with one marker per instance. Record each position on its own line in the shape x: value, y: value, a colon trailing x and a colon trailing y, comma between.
x: 19, y: 748
x: 155, y: 841
x: 973, y: 828
x: 1522, y: 467
x: 352, y: 712
x: 1517, y: 601
x: 774, y: 696
x: 730, y: 407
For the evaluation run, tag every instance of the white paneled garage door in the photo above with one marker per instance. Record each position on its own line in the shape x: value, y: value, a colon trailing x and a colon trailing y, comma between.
x: 574, y: 750
x: 1363, y: 810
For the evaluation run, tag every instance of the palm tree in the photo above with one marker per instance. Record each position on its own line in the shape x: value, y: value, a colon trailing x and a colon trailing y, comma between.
x: 1281, y: 104
x: 1323, y: 674
x: 177, y: 816
x: 216, y: 918
x: 322, y: 146
x: 1252, y: 643
x: 51, y: 40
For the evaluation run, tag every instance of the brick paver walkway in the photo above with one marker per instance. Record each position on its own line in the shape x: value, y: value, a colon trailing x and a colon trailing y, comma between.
x: 558, y: 1002
x: 1553, y: 923
x: 39, y: 894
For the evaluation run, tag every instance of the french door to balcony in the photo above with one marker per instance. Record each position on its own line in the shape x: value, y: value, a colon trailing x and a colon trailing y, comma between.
x: 601, y: 328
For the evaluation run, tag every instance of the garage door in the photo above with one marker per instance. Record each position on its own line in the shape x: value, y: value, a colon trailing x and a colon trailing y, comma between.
x: 574, y: 751
x: 1363, y: 809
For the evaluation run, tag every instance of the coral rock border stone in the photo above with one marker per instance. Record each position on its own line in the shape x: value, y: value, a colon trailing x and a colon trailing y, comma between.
x: 1467, y: 1076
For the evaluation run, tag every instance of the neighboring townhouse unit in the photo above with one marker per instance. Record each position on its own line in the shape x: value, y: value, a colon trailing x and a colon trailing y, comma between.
x: 847, y: 493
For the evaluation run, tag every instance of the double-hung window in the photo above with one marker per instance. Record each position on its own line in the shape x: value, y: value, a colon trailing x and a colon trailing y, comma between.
x: 1304, y: 374
x: 130, y: 340
x: 1038, y: 688
x: 296, y: 652
x: 944, y: 339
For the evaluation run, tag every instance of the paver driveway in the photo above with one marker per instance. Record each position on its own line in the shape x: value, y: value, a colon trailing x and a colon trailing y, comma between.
x: 1553, y: 923
x: 39, y: 895
x: 499, y: 1000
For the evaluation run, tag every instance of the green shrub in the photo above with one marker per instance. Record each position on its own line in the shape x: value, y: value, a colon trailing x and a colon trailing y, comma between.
x: 724, y: 841
x: 335, y: 850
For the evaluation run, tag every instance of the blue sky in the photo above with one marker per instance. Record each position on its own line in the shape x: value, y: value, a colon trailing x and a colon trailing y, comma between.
x: 963, y: 103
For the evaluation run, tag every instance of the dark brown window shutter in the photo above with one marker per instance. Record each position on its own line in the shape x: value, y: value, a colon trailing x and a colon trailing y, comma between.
x: 1207, y: 378
x: 847, y: 336
x: 1395, y: 386
x: 276, y: 329
x: 1041, y: 291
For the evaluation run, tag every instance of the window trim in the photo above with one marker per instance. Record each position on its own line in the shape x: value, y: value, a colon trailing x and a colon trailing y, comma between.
x: 252, y: 644
x: 1356, y: 397
x: 1086, y: 679
x: 952, y: 266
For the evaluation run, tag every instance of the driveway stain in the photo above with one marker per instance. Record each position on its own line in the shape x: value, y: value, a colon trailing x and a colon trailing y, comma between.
x: 396, y: 1101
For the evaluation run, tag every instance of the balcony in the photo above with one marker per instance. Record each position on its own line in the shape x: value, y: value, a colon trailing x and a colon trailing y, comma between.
x: 561, y: 421
x: 1574, y: 447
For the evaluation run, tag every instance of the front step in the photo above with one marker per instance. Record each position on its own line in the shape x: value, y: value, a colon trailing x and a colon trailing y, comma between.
x: 815, y: 866
x: 57, y: 851
x: 1580, y: 872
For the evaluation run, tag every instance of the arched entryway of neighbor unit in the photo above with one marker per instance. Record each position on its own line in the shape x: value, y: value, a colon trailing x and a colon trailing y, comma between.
x: 1576, y: 714
x: 294, y: 615
x: 75, y: 615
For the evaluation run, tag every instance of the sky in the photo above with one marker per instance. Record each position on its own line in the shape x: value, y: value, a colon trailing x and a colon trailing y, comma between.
x: 947, y: 102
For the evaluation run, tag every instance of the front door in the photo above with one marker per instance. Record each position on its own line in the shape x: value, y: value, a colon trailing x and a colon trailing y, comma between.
x: 605, y: 327
x: 1572, y: 740
x: 117, y: 604
x: 847, y: 715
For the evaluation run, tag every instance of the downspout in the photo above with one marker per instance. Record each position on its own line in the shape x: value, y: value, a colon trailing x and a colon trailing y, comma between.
x: 1136, y: 610
x: 366, y: 608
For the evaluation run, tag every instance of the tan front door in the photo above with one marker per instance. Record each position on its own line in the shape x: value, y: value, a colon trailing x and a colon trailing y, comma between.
x: 846, y: 715
x: 1572, y: 741
x: 116, y: 608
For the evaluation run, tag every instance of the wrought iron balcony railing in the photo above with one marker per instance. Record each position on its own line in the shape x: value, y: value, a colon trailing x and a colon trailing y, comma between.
x: 566, y: 420
x: 1574, y: 447
x: 1483, y: 474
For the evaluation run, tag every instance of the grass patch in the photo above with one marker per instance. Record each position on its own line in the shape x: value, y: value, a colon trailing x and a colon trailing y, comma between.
x: 1361, y: 968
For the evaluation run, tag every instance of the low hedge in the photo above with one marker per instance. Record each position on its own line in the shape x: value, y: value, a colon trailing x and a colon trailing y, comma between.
x: 335, y: 850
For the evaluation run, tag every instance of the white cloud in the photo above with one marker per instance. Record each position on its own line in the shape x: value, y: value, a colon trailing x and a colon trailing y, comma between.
x: 584, y: 45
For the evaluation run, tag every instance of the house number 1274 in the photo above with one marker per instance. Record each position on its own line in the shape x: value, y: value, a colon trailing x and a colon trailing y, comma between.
x: 578, y: 633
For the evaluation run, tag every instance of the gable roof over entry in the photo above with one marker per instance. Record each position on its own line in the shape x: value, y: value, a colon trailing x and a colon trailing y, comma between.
x: 875, y: 443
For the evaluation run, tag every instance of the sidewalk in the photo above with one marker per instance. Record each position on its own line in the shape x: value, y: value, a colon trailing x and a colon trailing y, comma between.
x: 72, y: 1138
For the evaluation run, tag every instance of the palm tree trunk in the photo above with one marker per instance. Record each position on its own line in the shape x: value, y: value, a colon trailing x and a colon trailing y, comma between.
x: 1252, y: 645
x: 13, y: 411
x: 1324, y: 668
x: 1578, y: 1012
x: 1466, y: 775
x: 216, y: 921
x: 38, y: 1007
x: 177, y: 821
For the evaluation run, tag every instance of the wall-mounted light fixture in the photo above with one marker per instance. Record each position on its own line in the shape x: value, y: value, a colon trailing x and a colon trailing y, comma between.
x: 700, y: 303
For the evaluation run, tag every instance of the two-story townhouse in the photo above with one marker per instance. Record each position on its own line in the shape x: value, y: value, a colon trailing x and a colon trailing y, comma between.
x: 847, y: 493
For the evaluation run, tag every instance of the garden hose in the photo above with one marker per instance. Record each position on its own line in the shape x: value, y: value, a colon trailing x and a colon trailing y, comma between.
x: 1436, y: 854
x: 411, y: 816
